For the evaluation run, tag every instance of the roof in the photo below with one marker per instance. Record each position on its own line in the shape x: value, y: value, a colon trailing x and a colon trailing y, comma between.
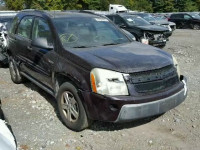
x: 60, y: 14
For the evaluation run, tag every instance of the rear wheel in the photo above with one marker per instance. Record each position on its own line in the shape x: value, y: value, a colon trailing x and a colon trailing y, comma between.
x: 196, y: 26
x: 71, y: 108
x: 14, y: 71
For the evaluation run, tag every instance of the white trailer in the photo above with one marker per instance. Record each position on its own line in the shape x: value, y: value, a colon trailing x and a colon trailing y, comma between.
x: 115, y: 8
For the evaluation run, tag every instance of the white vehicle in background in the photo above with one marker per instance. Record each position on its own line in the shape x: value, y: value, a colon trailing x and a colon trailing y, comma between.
x: 7, y: 140
x: 5, y: 20
x: 115, y: 8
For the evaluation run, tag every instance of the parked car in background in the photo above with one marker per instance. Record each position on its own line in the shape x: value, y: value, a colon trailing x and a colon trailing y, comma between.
x: 5, y: 21
x: 163, y: 18
x: 142, y: 30
x: 185, y: 20
x: 148, y: 17
x: 7, y: 140
x: 93, y: 69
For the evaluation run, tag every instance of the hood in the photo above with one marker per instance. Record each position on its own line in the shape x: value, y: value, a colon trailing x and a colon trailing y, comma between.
x: 161, y: 22
x: 126, y: 58
x: 172, y: 23
x: 153, y: 28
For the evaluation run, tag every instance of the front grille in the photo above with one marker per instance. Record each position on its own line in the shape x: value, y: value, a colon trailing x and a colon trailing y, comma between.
x: 155, y: 36
x: 154, y: 80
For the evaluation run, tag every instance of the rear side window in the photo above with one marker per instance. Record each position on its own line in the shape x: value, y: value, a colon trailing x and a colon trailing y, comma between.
x: 41, y: 30
x: 14, y: 25
x: 177, y: 16
x: 24, y: 28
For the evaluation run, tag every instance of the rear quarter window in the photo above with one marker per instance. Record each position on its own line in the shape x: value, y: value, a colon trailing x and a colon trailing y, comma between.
x: 176, y: 16
x: 14, y: 25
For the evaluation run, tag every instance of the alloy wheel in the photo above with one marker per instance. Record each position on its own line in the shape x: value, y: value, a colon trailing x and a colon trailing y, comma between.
x: 70, y: 106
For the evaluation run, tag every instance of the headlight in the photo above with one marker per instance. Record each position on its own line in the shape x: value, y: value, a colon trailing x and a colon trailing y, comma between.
x: 108, y: 82
x: 176, y: 65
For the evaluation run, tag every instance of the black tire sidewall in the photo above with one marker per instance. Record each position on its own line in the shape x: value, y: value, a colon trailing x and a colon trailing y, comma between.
x: 18, y: 78
x: 82, y: 121
x: 198, y: 25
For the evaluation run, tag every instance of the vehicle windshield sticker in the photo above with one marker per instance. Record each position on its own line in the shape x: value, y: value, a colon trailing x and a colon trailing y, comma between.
x: 130, y: 20
x: 101, y: 19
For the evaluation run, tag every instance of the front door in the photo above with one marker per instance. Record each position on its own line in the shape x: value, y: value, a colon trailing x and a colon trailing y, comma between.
x: 41, y: 58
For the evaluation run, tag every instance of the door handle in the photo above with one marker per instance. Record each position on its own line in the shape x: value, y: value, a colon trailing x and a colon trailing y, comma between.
x: 29, y: 48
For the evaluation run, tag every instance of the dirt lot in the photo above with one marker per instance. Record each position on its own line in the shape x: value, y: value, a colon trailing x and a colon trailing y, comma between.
x: 33, y: 116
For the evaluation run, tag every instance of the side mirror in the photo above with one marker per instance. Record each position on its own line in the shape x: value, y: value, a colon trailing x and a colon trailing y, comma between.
x: 129, y: 35
x: 41, y: 43
x: 122, y: 25
x: 153, y: 23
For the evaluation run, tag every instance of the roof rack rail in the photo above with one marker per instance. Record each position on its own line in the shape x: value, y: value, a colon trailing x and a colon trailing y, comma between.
x: 27, y: 10
x: 94, y: 12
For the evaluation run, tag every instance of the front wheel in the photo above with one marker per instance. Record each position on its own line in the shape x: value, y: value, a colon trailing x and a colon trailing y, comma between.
x: 71, y: 108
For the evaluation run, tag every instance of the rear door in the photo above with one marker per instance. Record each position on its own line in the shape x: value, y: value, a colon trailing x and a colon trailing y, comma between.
x: 22, y: 39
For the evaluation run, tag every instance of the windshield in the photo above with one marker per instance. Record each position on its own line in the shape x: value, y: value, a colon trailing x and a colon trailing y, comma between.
x: 160, y: 18
x: 82, y: 32
x: 135, y: 21
x: 195, y: 15
x: 148, y: 17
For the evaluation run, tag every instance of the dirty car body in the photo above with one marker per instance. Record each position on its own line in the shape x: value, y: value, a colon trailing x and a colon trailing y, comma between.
x: 116, y: 79
x: 141, y: 29
x: 148, y: 17
x: 4, y: 25
x: 186, y: 20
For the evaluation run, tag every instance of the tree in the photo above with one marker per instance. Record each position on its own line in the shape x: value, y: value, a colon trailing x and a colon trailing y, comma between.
x: 198, y: 4
x: 143, y: 5
x: 168, y: 6
x: 186, y: 5
x: 158, y: 5
x: 190, y: 6
x: 15, y: 4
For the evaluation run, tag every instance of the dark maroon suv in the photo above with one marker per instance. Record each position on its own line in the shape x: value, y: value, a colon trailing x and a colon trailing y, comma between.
x: 92, y: 68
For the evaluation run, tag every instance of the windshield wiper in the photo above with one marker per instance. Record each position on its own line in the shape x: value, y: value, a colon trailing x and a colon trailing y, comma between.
x: 80, y: 47
x: 110, y: 44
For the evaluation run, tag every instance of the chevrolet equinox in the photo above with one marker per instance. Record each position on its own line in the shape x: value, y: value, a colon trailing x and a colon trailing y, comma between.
x: 92, y: 68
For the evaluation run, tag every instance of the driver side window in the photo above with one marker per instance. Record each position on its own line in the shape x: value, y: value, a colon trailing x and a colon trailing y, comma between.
x: 118, y: 20
x: 41, y: 30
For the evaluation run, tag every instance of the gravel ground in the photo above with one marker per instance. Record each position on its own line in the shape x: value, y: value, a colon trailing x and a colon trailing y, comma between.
x: 36, y: 124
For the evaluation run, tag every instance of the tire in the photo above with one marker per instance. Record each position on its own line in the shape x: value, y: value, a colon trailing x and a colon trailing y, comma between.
x: 14, y: 72
x: 71, y: 108
x: 196, y: 26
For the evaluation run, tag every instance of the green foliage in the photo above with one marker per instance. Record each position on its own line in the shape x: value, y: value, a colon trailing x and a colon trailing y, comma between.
x: 15, y: 4
x: 143, y: 5
x: 186, y: 5
x: 198, y: 4
x: 140, y: 5
x: 190, y: 6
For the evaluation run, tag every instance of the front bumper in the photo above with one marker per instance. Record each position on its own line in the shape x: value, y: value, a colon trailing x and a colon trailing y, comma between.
x: 137, y: 111
x: 157, y: 43
x: 128, y: 108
